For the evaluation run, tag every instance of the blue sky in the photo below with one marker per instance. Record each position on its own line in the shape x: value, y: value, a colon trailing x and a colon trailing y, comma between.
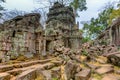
x: 27, y: 5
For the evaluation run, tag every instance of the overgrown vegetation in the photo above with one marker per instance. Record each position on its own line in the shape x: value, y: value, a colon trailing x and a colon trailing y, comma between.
x: 93, y: 28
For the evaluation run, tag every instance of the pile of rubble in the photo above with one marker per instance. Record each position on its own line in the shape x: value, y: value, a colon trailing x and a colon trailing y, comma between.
x: 86, y: 63
x: 110, y: 51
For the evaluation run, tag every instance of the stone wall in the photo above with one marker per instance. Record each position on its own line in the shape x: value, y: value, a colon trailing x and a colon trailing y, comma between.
x: 24, y: 35
x: 112, y: 34
x: 19, y: 36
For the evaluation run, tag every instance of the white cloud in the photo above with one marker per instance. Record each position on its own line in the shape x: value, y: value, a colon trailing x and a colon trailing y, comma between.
x: 93, y: 9
x: 28, y: 5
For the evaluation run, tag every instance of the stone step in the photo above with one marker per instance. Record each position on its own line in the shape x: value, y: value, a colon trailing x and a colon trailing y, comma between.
x: 17, y: 71
x: 25, y: 64
x: 4, y: 68
x: 105, y: 69
x: 4, y: 76
x: 110, y: 77
x: 48, y: 66
x: 27, y: 75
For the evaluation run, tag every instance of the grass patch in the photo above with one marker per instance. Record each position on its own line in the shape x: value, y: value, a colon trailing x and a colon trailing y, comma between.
x: 97, y: 76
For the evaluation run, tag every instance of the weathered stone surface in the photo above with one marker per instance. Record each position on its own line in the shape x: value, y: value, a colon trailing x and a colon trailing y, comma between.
x: 48, y: 66
x: 118, y: 72
x: 55, y: 72
x: 4, y: 76
x: 57, y: 63
x: 91, y: 66
x: 4, y: 68
x: 27, y: 75
x: 110, y: 77
x: 83, y: 75
x: 114, y: 59
x: 105, y: 69
x: 43, y: 75
x: 70, y: 69
x: 15, y: 71
x: 19, y: 37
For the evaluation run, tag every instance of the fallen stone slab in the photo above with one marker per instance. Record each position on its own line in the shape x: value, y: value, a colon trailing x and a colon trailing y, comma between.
x: 114, y: 59
x: 4, y: 68
x: 92, y: 66
x: 102, y: 61
x: 113, y: 53
x: 26, y: 64
x: 70, y: 69
x: 46, y: 74
x: 55, y: 72
x: 110, y: 77
x: 27, y: 75
x: 15, y: 71
x: 4, y: 76
x: 105, y: 69
x: 118, y: 72
x: 48, y: 66
x: 83, y: 75
x: 57, y: 63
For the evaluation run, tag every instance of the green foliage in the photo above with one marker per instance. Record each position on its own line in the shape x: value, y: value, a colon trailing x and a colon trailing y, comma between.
x: 103, y: 42
x: 54, y: 78
x: 96, y: 26
x: 84, y: 52
x: 85, y: 39
x: 115, y: 14
x: 79, y: 4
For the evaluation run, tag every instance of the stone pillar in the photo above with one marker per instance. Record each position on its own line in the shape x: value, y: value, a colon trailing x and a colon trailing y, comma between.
x: 110, y: 35
x: 116, y: 35
x: 40, y: 46
x: 44, y: 48
x: 119, y: 34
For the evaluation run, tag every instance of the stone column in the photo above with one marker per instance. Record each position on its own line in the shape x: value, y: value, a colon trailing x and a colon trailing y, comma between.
x: 116, y: 37
x: 119, y: 34
x: 40, y: 43
x: 110, y: 35
x: 44, y: 48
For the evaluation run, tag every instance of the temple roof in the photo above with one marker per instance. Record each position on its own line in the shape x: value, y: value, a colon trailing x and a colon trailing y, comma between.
x: 62, y: 13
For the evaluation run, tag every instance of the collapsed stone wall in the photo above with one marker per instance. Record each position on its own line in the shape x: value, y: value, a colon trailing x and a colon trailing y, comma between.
x: 111, y: 35
x: 18, y: 36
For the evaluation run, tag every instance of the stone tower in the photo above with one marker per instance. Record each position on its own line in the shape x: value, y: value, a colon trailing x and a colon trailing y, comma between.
x: 61, y: 27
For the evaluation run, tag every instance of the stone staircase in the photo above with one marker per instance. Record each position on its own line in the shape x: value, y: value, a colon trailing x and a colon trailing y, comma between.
x: 59, y: 69
x: 26, y: 70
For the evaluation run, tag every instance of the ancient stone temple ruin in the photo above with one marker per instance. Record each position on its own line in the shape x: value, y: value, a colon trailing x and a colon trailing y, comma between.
x: 24, y: 35
x: 112, y: 34
x: 21, y: 36
x: 61, y: 27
